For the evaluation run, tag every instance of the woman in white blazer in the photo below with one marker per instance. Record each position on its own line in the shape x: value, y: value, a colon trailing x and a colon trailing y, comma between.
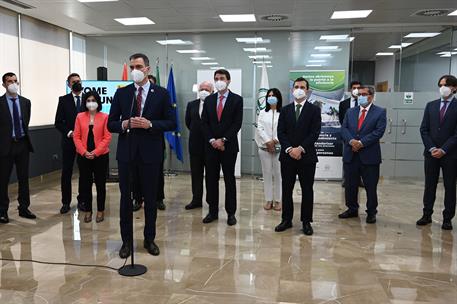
x: 269, y: 148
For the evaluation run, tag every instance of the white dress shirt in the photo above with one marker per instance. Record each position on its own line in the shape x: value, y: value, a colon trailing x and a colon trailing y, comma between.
x: 76, y: 105
x: 144, y: 94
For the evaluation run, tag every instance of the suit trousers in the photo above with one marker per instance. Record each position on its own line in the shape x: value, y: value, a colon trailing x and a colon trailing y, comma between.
x: 216, y: 159
x: 18, y: 156
x: 147, y: 178
x: 370, y: 177
x: 90, y: 170
x: 197, y: 170
x: 432, y: 168
x: 68, y: 161
x: 271, y: 172
x: 289, y: 171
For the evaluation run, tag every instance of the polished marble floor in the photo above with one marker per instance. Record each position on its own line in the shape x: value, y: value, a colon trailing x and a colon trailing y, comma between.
x: 345, y: 261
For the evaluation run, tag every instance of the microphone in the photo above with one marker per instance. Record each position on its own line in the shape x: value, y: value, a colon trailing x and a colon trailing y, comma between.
x: 131, y: 110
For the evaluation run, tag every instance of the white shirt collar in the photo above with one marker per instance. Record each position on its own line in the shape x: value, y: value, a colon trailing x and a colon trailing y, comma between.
x: 74, y: 95
x: 145, y: 87
x: 367, y: 108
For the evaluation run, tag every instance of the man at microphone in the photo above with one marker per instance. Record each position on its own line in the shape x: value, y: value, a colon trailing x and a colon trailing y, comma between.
x: 143, y: 110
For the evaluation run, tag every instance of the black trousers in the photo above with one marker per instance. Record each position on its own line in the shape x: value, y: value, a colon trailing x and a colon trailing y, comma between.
x: 138, y: 192
x: 68, y: 161
x: 19, y: 156
x: 147, y: 178
x: 370, y: 177
x: 432, y: 168
x: 197, y: 170
x: 90, y: 170
x: 215, y: 160
x: 289, y: 171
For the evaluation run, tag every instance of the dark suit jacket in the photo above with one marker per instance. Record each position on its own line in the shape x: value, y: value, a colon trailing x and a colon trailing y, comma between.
x: 194, y: 124
x: 342, y: 109
x: 230, y: 124
x: 6, y: 124
x: 440, y: 135
x: 370, y: 133
x: 65, y: 118
x: 304, y: 132
x: 148, y: 143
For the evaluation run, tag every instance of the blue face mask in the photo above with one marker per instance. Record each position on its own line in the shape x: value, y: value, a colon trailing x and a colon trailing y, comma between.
x: 363, y: 100
x: 272, y: 100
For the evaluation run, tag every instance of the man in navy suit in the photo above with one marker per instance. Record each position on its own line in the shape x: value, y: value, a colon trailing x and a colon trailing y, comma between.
x: 299, y: 127
x: 362, y: 128
x: 222, y: 118
x: 439, y: 135
x: 140, y: 113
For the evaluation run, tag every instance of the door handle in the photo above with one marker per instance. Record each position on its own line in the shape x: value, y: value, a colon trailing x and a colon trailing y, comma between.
x: 404, y: 127
x: 389, y: 131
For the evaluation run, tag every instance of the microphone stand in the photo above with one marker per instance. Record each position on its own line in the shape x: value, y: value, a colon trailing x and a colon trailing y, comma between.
x: 133, y: 269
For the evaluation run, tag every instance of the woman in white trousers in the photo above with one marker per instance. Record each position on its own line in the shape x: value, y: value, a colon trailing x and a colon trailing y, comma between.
x: 269, y: 148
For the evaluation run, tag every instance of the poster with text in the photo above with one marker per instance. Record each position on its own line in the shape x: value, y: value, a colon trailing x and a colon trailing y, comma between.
x: 326, y: 92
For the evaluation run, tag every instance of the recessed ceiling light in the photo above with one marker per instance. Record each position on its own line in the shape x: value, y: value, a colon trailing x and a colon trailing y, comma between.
x: 454, y: 13
x: 333, y: 37
x: 253, y: 40
x: 135, y: 21
x: 421, y: 35
x: 210, y: 63
x: 238, y: 18
x: 190, y: 51
x: 201, y: 58
x: 261, y: 62
x: 89, y: 1
x: 398, y: 46
x: 217, y: 68
x: 321, y: 55
x: 384, y: 54
x: 316, y: 60
x: 350, y: 14
x: 174, y: 42
x: 314, y: 65
x: 260, y: 57
x: 257, y: 50
x: 327, y: 47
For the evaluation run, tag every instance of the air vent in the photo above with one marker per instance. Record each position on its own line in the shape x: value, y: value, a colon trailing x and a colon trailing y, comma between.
x: 274, y: 18
x: 19, y: 4
x: 433, y: 12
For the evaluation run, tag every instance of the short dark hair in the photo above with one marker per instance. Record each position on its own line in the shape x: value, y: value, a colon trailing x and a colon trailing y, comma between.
x: 97, y: 99
x: 6, y: 75
x: 71, y: 76
x: 142, y: 56
x: 354, y: 83
x: 450, y: 80
x: 223, y: 72
x: 278, y: 95
x: 152, y: 77
x: 371, y: 89
x: 300, y: 79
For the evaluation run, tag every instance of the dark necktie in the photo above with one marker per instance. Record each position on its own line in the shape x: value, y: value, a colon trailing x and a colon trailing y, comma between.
x: 297, y: 111
x: 16, y: 120
x: 139, y: 101
x: 78, y: 104
x: 443, y: 111
x: 356, y: 103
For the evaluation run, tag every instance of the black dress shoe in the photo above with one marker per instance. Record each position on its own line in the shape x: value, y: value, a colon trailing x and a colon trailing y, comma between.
x: 447, y: 225
x: 26, y: 213
x: 424, y: 220
x: 137, y: 205
x: 161, y: 205
x: 307, y: 229
x: 348, y: 214
x: 65, y: 208
x: 284, y: 225
x: 209, y: 218
x: 193, y: 205
x: 125, y: 251
x: 4, y: 218
x: 231, y: 220
x: 151, y: 247
x: 371, y: 219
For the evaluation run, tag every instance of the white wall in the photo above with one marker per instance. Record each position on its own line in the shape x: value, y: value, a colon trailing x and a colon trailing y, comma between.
x: 385, y: 71
x: 9, y: 53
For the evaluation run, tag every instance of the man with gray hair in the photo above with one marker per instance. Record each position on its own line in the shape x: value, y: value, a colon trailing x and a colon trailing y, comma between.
x: 197, y: 143
x: 362, y: 128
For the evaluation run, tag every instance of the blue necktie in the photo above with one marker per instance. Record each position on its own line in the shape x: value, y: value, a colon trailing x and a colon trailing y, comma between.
x: 16, y: 120
x: 78, y: 104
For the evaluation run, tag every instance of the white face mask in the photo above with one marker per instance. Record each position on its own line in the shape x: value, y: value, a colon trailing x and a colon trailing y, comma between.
x: 92, y: 106
x: 13, y: 88
x: 299, y: 94
x: 137, y: 76
x: 220, y: 85
x: 203, y: 94
x: 445, y: 91
x: 355, y: 93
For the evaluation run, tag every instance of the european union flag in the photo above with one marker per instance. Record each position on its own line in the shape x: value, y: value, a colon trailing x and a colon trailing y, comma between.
x: 174, y: 137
